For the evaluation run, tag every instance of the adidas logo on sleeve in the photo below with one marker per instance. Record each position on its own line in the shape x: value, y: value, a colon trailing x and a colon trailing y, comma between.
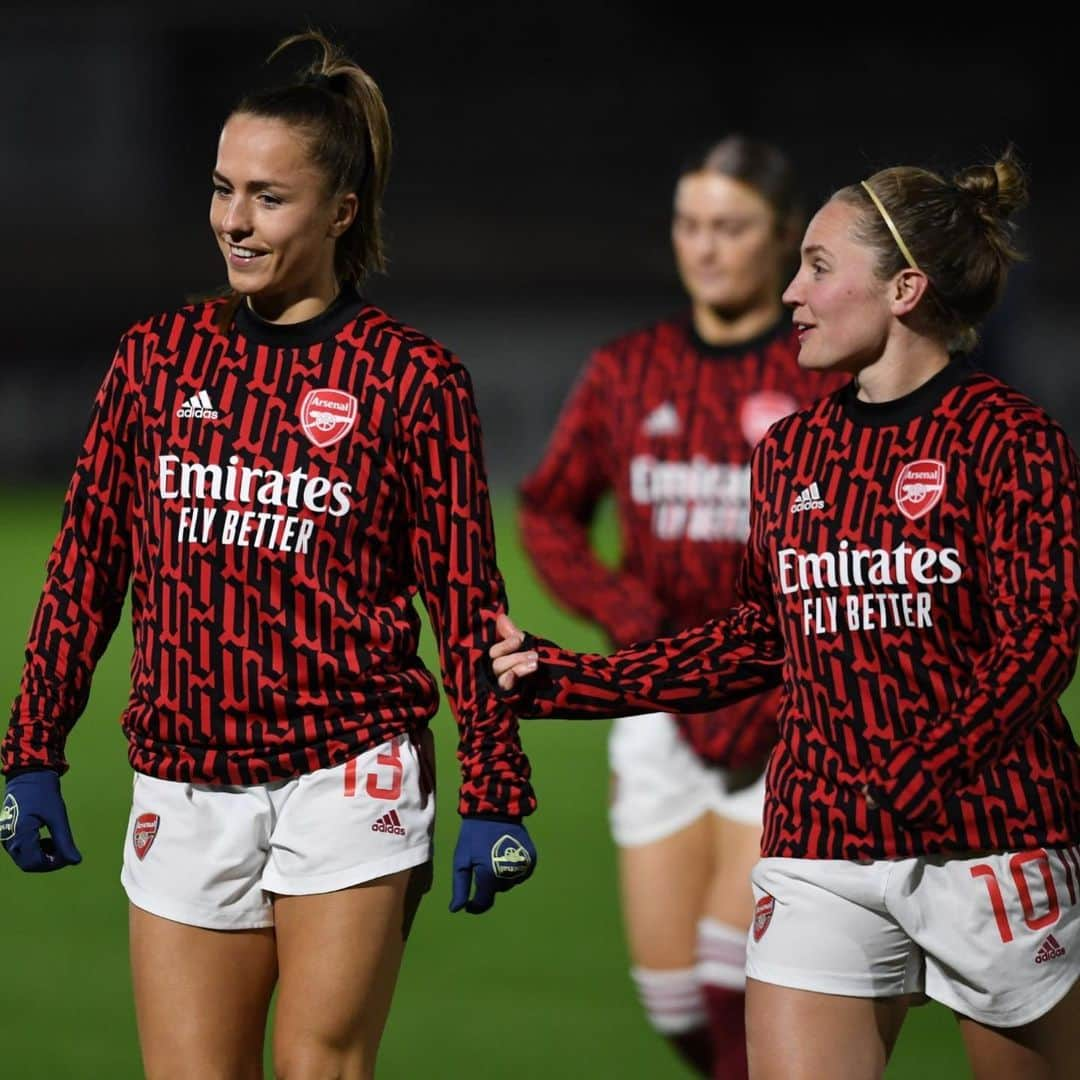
x: 198, y: 407
x: 808, y: 499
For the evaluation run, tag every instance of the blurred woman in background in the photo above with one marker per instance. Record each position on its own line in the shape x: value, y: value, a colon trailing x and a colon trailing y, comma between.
x: 666, y: 418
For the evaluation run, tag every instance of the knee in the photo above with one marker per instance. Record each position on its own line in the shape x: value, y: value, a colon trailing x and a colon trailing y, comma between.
x: 311, y: 1060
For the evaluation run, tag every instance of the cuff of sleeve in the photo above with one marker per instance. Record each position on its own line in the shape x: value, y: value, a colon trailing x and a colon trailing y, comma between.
x: 19, y: 770
x: 522, y: 697
x: 33, y: 743
x: 488, y: 679
x: 505, y: 805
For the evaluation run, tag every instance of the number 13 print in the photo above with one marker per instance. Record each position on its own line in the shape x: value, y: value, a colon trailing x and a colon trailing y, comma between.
x: 391, y: 762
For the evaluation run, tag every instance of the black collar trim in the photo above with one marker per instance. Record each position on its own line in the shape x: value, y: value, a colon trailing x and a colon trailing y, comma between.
x: 323, y: 327
x: 922, y: 400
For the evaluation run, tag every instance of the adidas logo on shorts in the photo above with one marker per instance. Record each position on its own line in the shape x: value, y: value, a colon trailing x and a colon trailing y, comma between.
x: 1049, y: 950
x: 390, y: 823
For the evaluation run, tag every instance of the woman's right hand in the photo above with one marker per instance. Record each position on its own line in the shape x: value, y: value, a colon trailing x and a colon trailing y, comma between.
x: 507, y: 661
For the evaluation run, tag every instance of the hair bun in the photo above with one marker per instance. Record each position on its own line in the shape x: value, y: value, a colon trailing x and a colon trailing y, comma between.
x: 998, y: 190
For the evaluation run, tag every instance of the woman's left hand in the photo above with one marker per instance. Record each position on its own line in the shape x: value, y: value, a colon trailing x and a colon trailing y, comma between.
x: 508, y: 663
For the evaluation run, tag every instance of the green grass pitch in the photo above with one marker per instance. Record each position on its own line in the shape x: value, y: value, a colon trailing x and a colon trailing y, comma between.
x: 538, y: 988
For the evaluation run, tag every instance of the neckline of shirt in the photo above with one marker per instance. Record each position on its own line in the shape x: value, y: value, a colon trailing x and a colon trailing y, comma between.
x: 920, y: 401
x: 737, y: 348
x: 324, y: 326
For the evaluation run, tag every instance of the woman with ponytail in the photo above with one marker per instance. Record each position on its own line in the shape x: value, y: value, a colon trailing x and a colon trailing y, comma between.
x: 277, y: 472
x: 912, y: 583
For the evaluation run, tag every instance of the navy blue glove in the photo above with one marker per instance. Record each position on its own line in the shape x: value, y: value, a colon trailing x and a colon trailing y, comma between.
x: 32, y: 802
x: 499, y: 853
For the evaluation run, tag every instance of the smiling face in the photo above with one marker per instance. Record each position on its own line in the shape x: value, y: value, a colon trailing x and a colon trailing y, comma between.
x: 274, y: 219
x: 726, y: 241
x: 841, y: 308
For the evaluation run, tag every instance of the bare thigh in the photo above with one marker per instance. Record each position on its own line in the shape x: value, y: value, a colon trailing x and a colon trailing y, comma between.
x: 663, y: 886
x: 1046, y: 1049
x: 339, y: 954
x: 736, y: 849
x: 804, y: 1035
x: 201, y: 998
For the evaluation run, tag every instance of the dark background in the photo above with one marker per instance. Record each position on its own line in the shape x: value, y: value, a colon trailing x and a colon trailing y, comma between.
x: 536, y: 151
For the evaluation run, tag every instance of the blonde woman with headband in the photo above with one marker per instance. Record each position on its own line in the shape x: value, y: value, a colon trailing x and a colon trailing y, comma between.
x: 912, y: 582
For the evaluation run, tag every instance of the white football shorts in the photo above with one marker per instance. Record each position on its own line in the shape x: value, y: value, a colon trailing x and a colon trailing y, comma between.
x: 660, y: 785
x: 214, y: 856
x: 994, y: 937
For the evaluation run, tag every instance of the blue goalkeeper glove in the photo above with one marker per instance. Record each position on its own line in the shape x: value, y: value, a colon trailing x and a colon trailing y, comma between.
x: 499, y: 853
x: 32, y: 802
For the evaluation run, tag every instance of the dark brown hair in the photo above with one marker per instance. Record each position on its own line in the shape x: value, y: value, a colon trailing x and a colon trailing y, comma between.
x: 759, y: 165
x: 339, y: 109
x: 958, y: 232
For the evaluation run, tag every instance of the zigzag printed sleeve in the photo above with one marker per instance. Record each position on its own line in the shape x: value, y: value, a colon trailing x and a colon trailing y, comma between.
x: 86, y: 581
x: 558, y: 502
x: 1031, y: 518
x: 453, y: 547
x: 703, y: 668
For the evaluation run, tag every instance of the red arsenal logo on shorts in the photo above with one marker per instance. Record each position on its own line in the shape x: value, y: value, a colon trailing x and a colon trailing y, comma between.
x: 919, y: 487
x: 327, y: 415
x: 763, y: 916
x: 146, y: 827
x: 760, y: 411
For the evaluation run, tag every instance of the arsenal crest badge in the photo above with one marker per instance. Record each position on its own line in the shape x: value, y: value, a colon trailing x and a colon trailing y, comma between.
x: 509, y: 859
x: 763, y: 916
x: 142, y: 836
x: 919, y: 487
x: 9, y: 817
x: 327, y: 416
x: 761, y: 410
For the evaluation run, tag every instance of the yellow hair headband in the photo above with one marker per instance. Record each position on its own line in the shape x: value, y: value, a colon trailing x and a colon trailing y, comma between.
x: 892, y: 228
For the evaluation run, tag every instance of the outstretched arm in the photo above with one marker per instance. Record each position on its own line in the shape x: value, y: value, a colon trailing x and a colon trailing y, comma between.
x: 703, y: 668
